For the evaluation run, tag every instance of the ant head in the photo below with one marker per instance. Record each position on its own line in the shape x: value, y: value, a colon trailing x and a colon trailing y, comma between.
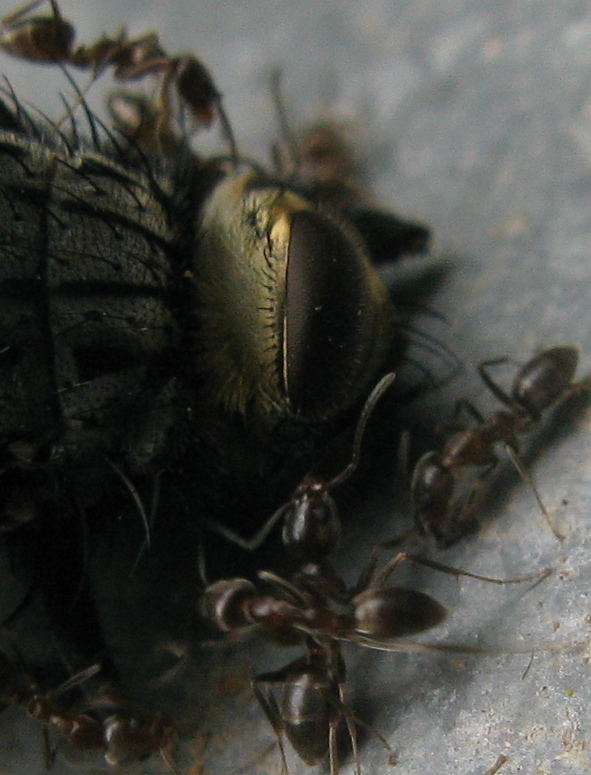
x: 545, y: 379
x: 311, y: 526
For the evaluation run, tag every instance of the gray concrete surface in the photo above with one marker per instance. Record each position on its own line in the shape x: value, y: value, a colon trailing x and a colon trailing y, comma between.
x: 476, y: 118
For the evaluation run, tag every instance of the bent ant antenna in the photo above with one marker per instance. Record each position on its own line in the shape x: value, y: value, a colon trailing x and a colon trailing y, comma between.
x: 310, y: 484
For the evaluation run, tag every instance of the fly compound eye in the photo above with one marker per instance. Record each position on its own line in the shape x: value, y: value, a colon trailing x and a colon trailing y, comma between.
x: 330, y: 314
x: 293, y: 316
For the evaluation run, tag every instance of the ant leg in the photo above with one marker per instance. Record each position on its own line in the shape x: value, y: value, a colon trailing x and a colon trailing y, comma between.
x: 285, y: 586
x: 289, y: 140
x: 528, y: 479
x: 464, y: 520
x: 333, y: 754
x: 79, y: 678
x: 168, y: 761
x: 363, y: 582
x: 340, y: 709
x: 49, y: 750
x: 493, y: 386
x: 248, y: 544
x: 352, y: 720
x: 464, y: 404
x: 16, y: 16
x: 497, y: 765
x: 268, y: 703
x: 380, y: 578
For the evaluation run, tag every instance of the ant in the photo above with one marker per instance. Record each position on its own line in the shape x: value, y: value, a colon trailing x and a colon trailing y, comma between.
x: 120, y: 731
x: 539, y: 384
x: 311, y: 522
x: 320, y: 161
x: 316, y: 610
x: 50, y: 39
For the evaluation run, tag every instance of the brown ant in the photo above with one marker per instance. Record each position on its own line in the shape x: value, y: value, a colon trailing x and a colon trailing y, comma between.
x: 538, y: 385
x: 316, y: 610
x: 49, y: 39
x: 311, y: 523
x: 120, y: 731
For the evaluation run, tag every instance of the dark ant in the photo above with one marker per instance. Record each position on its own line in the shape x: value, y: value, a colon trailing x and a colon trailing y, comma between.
x: 538, y: 385
x: 312, y: 706
x: 78, y: 729
x: 120, y: 731
x: 49, y: 39
x: 316, y: 610
x: 311, y: 522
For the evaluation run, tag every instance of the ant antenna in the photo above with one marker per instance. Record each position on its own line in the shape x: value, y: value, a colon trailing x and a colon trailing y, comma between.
x: 228, y: 133
x: 257, y: 540
x: 368, y: 408
x: 289, y: 139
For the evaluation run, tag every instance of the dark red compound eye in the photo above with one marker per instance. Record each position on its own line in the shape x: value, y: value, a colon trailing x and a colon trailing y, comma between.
x: 328, y: 317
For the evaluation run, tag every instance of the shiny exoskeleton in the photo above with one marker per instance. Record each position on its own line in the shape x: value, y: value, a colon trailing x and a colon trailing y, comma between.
x: 538, y: 385
x: 316, y: 610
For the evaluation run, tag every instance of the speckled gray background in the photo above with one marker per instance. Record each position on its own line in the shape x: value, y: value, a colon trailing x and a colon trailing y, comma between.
x: 475, y: 117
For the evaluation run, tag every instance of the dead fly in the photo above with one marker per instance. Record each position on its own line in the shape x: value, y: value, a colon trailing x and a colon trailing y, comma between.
x: 181, y: 338
x: 154, y: 314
